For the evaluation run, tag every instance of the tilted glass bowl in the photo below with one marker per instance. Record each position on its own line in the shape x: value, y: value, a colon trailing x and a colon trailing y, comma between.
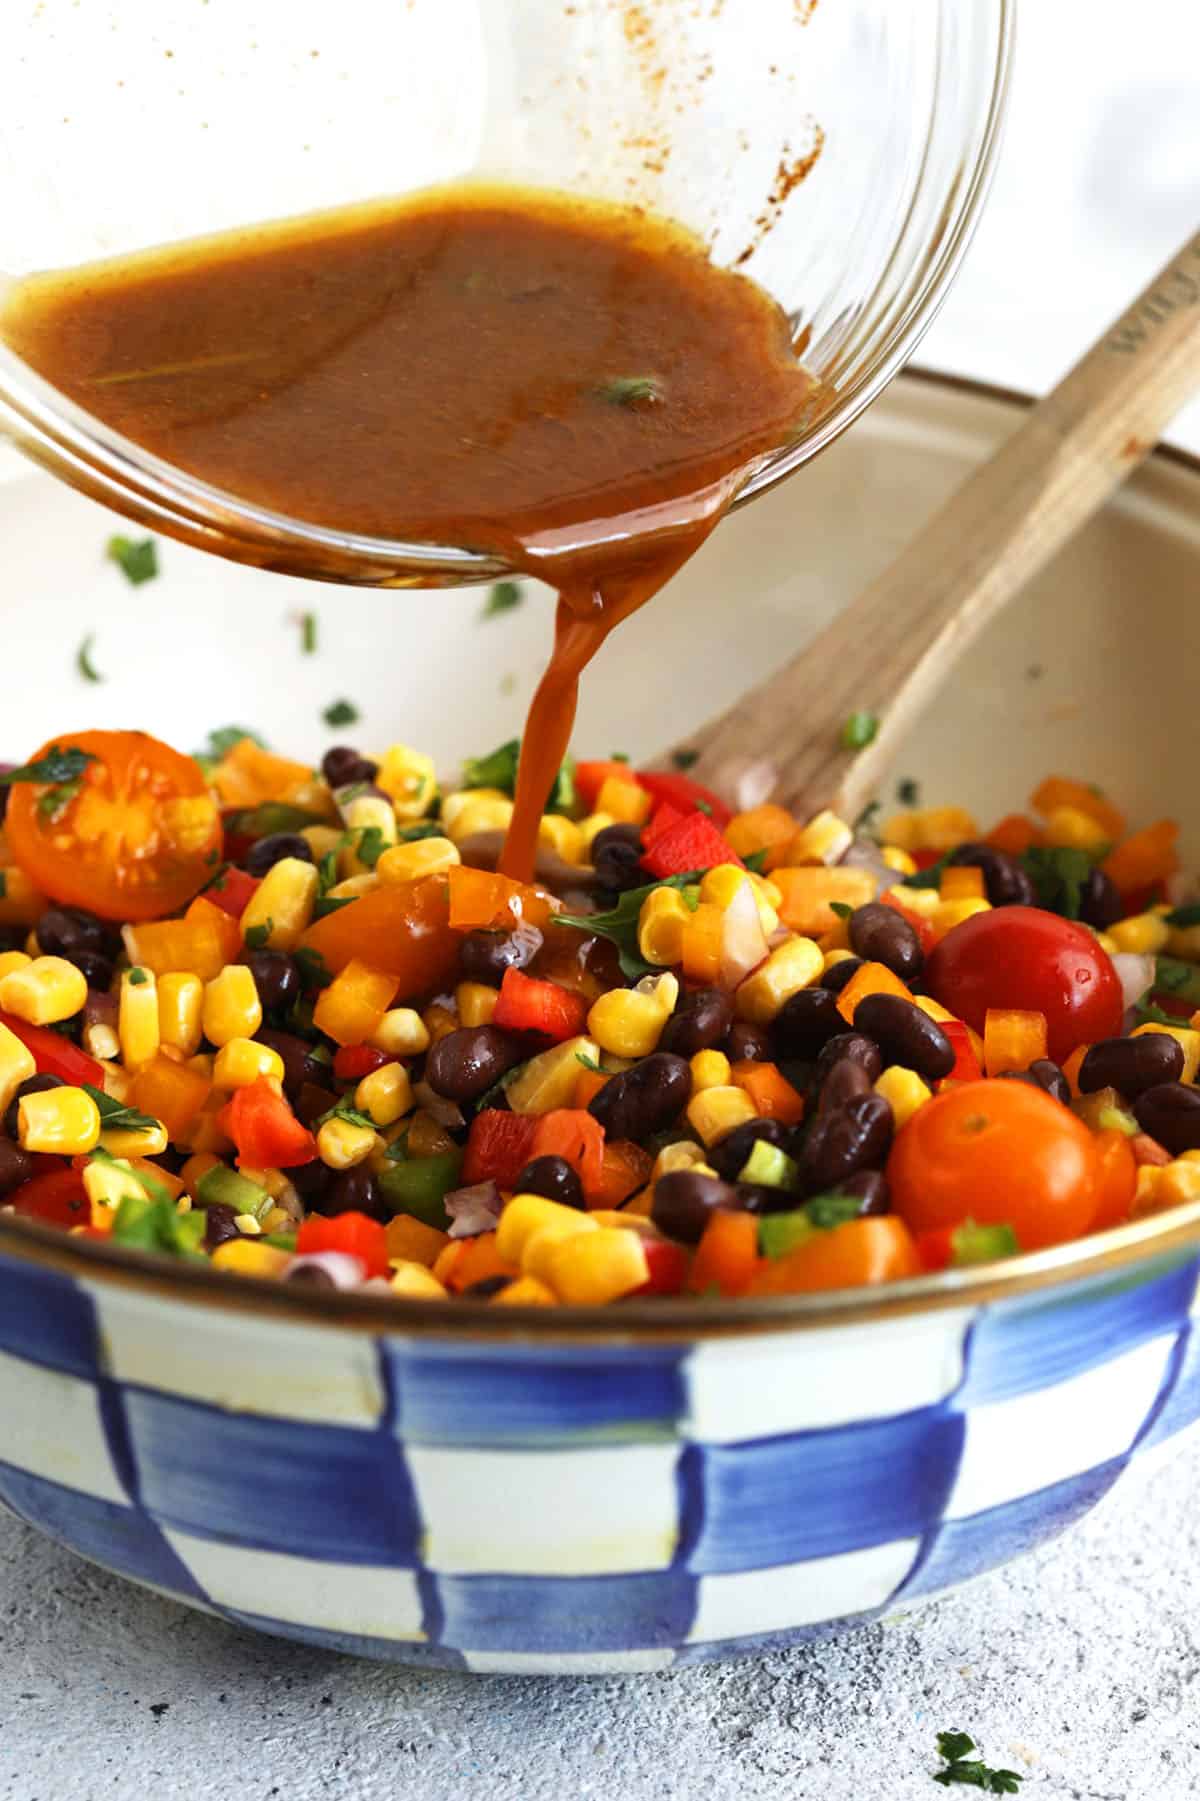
x: 838, y: 152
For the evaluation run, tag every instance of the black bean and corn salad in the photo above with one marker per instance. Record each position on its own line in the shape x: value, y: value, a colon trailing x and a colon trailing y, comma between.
x: 290, y: 1021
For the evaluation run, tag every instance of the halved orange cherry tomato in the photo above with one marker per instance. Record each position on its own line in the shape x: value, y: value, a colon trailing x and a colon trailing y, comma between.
x: 134, y: 837
x: 999, y: 1153
x: 1116, y: 1180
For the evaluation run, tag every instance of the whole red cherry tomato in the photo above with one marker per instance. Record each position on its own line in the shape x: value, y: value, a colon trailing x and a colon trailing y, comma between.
x: 1024, y: 957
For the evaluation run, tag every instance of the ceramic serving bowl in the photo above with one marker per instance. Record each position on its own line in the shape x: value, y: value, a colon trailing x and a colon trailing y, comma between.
x: 658, y: 1483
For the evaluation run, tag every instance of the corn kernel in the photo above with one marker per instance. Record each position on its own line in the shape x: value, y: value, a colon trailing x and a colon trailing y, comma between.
x: 409, y: 778
x: 626, y: 800
x: 664, y: 913
x: 424, y: 856
x: 710, y: 1069
x: 16, y: 1065
x: 1142, y: 933
x: 548, y: 1080
x: 898, y: 859
x: 593, y: 1269
x: 824, y: 839
x: 385, y: 1095
x: 366, y: 813
x: 962, y: 882
x: 277, y: 1220
x: 321, y: 839
x: 414, y: 1282
x: 715, y: 1111
x: 11, y: 960
x: 401, y: 1033
x: 365, y: 882
x: 525, y: 1215
x: 540, y: 1246
x: 62, y: 1120
x: 950, y: 913
x: 283, y: 903
x: 100, y: 1040
x: 629, y: 1021
x: 1188, y: 1041
x: 180, y: 1006
x: 231, y: 1007
x: 475, y: 810
x: 271, y: 1181
x: 561, y: 835
x: 719, y: 885
x: 904, y: 1091
x: 1071, y: 828
x: 793, y: 965
x: 243, y: 1257
x: 136, y: 1141
x: 1146, y: 1196
x: 116, y: 1082
x: 838, y: 956
x: 454, y: 803
x: 341, y: 1144
x: 929, y: 828
x: 476, y: 1002
x: 1178, y: 1181
x: 593, y: 825
x: 438, y: 1021
x: 525, y: 1291
x: 683, y: 1154
x: 21, y: 904
x: 108, y: 1184
x: 241, y: 1061
x: 43, y: 990
x: 137, y: 1017
x: 1106, y: 942
x: 922, y: 901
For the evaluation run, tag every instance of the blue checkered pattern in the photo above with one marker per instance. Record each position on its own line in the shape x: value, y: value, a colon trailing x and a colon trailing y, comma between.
x: 603, y: 1508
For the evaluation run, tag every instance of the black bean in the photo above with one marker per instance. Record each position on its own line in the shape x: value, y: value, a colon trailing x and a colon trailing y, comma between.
x: 31, y: 1085
x: 485, y: 956
x: 839, y: 973
x: 16, y: 1165
x: 845, y: 1139
x: 747, y: 1043
x: 1099, y: 903
x: 310, y: 1275
x: 728, y: 1156
x: 485, y: 1288
x: 806, y: 1022
x: 264, y: 853
x: 1170, y: 1113
x: 870, y: 1187
x: 1131, y: 1065
x: 341, y: 766
x: 463, y: 1064
x: 852, y: 1047
x: 276, y: 978
x: 310, y: 1180
x: 220, y: 1225
x: 906, y: 1035
x: 65, y: 931
x: 880, y: 934
x: 762, y: 1197
x: 299, y: 1066
x: 552, y: 1177
x: 843, y: 1081
x: 1042, y: 1073
x: 354, y: 1191
x: 1005, y: 882
x: 12, y: 938
x: 645, y: 1098
x: 684, y: 1201
x: 616, y: 854
x: 95, y: 968
x: 701, y: 1019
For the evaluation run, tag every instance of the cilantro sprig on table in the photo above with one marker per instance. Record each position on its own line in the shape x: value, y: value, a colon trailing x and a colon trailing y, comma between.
x: 960, y: 1767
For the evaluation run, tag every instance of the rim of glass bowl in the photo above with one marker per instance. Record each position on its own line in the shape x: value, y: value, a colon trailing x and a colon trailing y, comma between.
x: 864, y: 352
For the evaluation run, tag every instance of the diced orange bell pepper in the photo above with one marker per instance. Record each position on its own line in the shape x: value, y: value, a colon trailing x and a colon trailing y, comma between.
x: 1015, y: 834
x: 624, y: 1169
x: 207, y: 913
x: 727, y: 1255
x: 702, y: 944
x: 193, y: 946
x: 872, y: 978
x: 1148, y: 856
x: 410, y: 1240
x: 811, y: 892
x: 769, y: 827
x: 588, y: 1084
x: 1116, y: 1180
x: 770, y: 1090
x: 171, y: 1092
x: 962, y: 882
x: 478, y: 1263
x: 247, y: 774
x: 591, y: 776
x: 403, y: 926
x: 854, y: 1255
x: 621, y: 796
x: 351, y: 1008
x: 1060, y: 791
x: 575, y: 1137
x: 481, y: 898
x: 1013, y: 1038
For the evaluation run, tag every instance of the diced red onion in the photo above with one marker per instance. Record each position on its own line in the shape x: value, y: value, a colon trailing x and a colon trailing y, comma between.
x: 754, y: 785
x: 473, y: 1210
x: 1135, y: 973
x: 343, y: 1270
x: 863, y: 853
x: 447, y: 1113
x: 743, y: 941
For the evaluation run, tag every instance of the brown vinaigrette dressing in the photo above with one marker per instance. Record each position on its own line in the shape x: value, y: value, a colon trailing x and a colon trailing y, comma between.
x: 570, y: 385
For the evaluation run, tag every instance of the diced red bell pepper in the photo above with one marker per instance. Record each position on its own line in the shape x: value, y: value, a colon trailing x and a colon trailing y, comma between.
x: 660, y: 821
x: 54, y: 1054
x: 694, y: 843
x: 265, y: 1130
x: 894, y: 897
x: 232, y: 891
x: 352, y: 1233
x: 935, y: 1248
x: 577, y: 1138
x: 925, y: 859
x: 590, y: 777
x: 529, y: 1004
x: 681, y: 791
x: 966, y: 1063
x: 1171, y: 1003
x: 354, y: 1061
x: 499, y: 1145
x: 58, y: 1197
x: 668, y: 1266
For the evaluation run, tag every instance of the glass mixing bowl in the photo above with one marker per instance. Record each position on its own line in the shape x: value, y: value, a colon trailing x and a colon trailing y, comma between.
x: 836, y: 151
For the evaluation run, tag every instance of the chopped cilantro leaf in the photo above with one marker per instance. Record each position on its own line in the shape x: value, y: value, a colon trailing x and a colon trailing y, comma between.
x: 841, y: 909
x: 369, y: 844
x: 632, y: 391
x: 340, y: 712
x: 137, y: 559
x: 55, y: 801
x: 1188, y: 915
x: 352, y: 1116
x: 908, y: 792
x: 684, y: 759
x: 83, y: 660
x: 620, y: 925
x: 502, y: 598
x: 314, y: 971
x: 927, y: 878
x: 257, y: 937
x: 1059, y: 873
x: 57, y: 766
x: 858, y: 730
x: 116, y: 1117
x: 562, y: 794
x: 825, y: 1211
x: 588, y: 1062
x: 138, y: 977
x: 959, y: 1767
x: 308, y: 633
x: 619, y: 756
x: 756, y: 861
x: 222, y: 741
x: 497, y: 770
x: 424, y: 828
x: 1147, y: 1014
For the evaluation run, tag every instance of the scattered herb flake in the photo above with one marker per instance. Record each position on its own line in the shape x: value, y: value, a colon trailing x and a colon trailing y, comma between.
x: 308, y: 634
x: 841, y: 909
x: 588, y: 1062
x: 353, y: 1116
x: 340, y: 712
x: 858, y: 730
x: 58, y: 765
x: 619, y: 756
x: 621, y: 924
x: 423, y: 828
x: 83, y: 660
x: 927, y: 878
x: 954, y: 1749
x: 908, y: 792
x: 257, y: 937
x: 114, y: 1117
x: 704, y: 806
x: 369, y: 844
x: 502, y: 598
x: 314, y: 971
x: 632, y: 391
x: 756, y: 862
x: 137, y: 559
x: 684, y: 759
x: 138, y: 977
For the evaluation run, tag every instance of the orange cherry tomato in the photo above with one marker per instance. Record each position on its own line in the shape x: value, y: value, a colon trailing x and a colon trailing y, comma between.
x: 135, y: 836
x: 999, y: 1153
x: 1116, y: 1179
x: 858, y: 1254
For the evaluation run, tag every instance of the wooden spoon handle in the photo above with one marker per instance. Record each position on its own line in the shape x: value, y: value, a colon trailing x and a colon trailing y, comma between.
x: 892, y: 648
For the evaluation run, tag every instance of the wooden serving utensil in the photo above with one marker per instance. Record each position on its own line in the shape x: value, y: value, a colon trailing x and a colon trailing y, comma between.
x: 891, y: 649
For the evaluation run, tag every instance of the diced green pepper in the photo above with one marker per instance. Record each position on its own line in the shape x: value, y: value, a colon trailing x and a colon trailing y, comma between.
x: 770, y: 1166
x: 779, y: 1233
x: 419, y: 1185
x: 222, y: 1186
x: 981, y: 1244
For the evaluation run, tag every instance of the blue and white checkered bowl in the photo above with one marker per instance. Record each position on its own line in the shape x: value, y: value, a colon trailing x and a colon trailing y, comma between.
x: 662, y: 1482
